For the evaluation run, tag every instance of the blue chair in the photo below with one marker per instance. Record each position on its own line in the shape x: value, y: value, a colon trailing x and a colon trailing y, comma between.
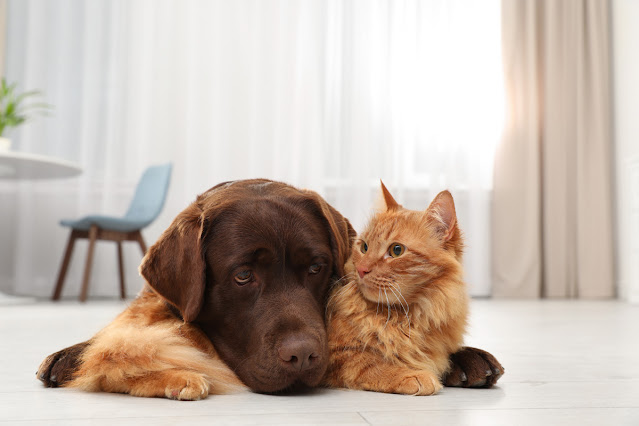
x: 147, y: 204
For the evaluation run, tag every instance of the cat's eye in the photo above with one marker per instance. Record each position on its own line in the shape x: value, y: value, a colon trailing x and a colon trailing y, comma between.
x: 315, y: 268
x: 396, y: 250
x: 243, y: 277
x: 364, y: 247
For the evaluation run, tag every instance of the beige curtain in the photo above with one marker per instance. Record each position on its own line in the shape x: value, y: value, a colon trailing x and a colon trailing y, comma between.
x: 552, y: 203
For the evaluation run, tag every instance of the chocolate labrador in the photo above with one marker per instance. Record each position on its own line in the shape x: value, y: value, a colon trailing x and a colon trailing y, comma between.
x: 235, y: 298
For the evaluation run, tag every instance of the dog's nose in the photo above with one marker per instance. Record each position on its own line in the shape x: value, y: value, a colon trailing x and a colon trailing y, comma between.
x: 299, y: 353
x: 362, y: 270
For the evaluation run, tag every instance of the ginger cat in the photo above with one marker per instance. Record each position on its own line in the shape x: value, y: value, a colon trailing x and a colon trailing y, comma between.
x: 403, y: 309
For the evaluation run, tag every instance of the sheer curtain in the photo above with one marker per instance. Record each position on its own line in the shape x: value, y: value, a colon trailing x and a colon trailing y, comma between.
x: 328, y: 95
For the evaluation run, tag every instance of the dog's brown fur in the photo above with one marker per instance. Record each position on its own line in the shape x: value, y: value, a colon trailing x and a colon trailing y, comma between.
x: 162, y: 345
x: 148, y: 351
x: 174, y: 340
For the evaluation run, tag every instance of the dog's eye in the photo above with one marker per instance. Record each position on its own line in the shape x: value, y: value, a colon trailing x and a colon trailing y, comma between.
x: 396, y: 250
x: 243, y: 277
x: 315, y: 268
x: 364, y: 247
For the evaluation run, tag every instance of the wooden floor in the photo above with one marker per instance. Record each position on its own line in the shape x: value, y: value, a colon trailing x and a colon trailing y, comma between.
x: 566, y: 363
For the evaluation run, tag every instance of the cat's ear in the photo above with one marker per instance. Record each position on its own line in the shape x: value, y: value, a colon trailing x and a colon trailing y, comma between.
x: 387, y: 201
x: 442, y: 211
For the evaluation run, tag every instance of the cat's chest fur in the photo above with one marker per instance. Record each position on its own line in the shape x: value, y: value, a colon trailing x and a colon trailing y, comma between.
x: 421, y: 336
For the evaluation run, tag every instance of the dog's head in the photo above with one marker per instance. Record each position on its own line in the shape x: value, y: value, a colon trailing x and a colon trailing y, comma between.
x: 251, y: 263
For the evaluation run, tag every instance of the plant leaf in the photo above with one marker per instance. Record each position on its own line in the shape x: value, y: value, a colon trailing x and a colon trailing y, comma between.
x: 13, y: 111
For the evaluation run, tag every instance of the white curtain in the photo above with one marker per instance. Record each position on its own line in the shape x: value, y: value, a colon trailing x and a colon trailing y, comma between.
x: 328, y: 95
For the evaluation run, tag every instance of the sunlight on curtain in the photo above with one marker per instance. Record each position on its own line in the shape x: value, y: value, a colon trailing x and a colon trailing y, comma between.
x: 329, y: 95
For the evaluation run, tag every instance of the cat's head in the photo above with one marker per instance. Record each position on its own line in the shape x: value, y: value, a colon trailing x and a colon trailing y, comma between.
x: 403, y: 251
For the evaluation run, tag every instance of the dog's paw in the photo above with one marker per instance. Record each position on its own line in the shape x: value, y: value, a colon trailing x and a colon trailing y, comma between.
x: 187, y: 386
x: 58, y: 368
x: 419, y: 383
x: 473, y: 368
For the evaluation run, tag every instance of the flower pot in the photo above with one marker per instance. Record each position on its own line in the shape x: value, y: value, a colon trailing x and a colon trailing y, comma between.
x: 5, y: 144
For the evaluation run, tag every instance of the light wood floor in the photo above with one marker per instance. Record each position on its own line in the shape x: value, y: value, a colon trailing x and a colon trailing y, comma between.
x: 566, y: 363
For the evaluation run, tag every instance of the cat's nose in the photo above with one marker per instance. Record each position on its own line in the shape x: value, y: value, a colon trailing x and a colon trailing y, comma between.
x: 362, y: 270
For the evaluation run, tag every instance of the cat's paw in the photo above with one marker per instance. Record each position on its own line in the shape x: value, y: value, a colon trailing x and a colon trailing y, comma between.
x: 57, y: 369
x: 187, y: 386
x: 473, y: 368
x: 419, y: 383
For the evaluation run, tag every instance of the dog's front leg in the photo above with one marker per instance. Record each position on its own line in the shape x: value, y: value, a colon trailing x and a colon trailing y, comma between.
x: 473, y: 368
x: 59, y: 368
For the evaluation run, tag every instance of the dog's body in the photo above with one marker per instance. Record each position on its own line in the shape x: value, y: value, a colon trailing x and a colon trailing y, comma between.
x: 237, y: 289
x: 145, y: 351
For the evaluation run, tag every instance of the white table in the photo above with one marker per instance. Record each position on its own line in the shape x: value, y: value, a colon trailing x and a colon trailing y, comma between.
x: 21, y: 165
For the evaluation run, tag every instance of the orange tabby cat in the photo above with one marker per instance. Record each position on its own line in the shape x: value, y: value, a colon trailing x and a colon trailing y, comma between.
x: 403, y: 310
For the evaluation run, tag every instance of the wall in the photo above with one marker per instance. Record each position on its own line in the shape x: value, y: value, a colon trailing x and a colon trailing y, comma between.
x: 625, y: 15
x: 3, y: 26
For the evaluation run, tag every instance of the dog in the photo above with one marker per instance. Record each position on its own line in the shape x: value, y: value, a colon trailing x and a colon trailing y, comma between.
x: 235, y: 296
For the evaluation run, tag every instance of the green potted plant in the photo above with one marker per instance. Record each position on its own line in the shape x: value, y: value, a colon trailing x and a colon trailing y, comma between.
x: 14, y: 111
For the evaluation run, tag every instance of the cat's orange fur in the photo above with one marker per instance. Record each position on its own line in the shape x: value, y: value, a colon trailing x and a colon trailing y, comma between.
x: 393, y: 325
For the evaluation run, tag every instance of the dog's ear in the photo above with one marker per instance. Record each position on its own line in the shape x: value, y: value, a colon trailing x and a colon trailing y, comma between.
x: 175, y: 267
x: 341, y: 235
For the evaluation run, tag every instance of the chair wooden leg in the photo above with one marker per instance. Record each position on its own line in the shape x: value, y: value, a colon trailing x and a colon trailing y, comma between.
x: 64, y: 266
x: 140, y: 240
x: 121, y: 267
x: 93, y: 234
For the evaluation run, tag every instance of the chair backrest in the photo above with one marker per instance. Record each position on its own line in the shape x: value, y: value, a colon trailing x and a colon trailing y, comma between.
x: 150, y: 195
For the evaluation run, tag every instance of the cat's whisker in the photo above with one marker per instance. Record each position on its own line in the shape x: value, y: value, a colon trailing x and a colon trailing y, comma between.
x: 337, y: 294
x: 394, y: 294
x: 348, y: 277
x: 400, y: 295
x: 398, y: 288
x: 389, y: 308
x: 394, y: 290
x: 405, y: 309
x: 379, y: 298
